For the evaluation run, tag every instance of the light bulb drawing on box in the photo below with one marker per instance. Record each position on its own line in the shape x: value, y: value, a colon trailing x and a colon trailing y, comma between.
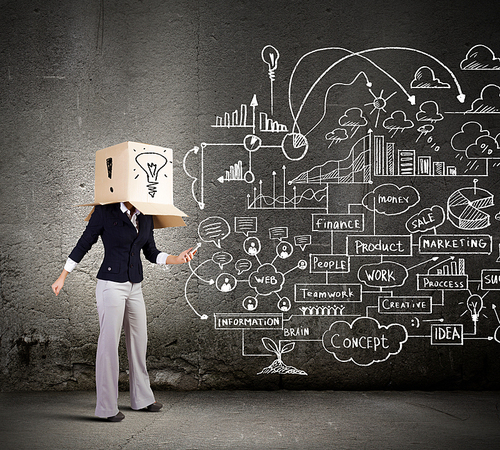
x: 388, y: 143
x: 151, y: 163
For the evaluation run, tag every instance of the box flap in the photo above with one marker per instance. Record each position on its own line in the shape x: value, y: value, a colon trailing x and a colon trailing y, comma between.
x: 168, y: 221
x: 163, y: 215
x: 156, y: 209
x: 166, y: 216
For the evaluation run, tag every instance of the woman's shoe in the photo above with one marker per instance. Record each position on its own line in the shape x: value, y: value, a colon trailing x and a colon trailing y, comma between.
x: 118, y: 418
x: 154, y: 407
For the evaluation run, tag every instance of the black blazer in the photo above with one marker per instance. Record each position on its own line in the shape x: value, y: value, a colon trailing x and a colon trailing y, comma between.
x: 122, y: 243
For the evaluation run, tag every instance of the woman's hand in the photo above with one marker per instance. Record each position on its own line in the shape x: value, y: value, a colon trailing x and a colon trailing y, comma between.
x: 184, y: 257
x: 59, y: 283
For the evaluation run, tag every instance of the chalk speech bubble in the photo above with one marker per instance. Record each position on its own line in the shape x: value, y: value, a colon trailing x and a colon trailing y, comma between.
x: 365, y: 341
x: 427, y: 219
x: 278, y: 233
x: 384, y: 274
x: 302, y: 241
x: 245, y: 225
x: 214, y: 229
x: 390, y: 199
x: 242, y: 265
x: 222, y: 258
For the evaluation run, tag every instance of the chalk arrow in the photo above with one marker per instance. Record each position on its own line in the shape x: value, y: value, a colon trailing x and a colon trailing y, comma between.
x: 435, y: 258
x: 193, y: 272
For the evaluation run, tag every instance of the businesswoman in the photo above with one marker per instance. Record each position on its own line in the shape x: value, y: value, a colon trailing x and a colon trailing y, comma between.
x: 124, y: 232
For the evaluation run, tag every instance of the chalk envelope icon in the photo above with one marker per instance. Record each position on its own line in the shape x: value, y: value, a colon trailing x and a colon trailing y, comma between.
x: 141, y: 174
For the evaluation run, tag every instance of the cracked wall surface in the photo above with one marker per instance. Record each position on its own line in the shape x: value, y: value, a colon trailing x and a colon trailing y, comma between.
x: 77, y: 77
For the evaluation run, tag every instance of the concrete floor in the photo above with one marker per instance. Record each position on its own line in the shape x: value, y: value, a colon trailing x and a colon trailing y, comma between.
x: 257, y: 420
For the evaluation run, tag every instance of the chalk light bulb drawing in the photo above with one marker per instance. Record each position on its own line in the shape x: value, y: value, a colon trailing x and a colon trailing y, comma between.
x: 151, y: 163
x: 270, y: 56
x: 475, y: 305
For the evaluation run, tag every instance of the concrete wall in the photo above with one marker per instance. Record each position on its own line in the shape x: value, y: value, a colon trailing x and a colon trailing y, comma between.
x: 78, y: 76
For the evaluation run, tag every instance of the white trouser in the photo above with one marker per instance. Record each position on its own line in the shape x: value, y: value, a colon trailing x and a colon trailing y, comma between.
x: 117, y: 304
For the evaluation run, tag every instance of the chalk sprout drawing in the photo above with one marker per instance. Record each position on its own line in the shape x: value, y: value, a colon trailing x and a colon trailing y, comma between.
x: 385, y: 189
x: 278, y: 366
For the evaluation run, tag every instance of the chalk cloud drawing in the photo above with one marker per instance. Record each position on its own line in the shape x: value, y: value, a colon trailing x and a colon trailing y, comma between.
x: 386, y: 274
x: 424, y: 130
x: 426, y: 79
x: 335, y: 136
x: 353, y: 118
x: 364, y: 341
x: 480, y: 57
x: 390, y: 199
x: 397, y: 122
x: 425, y: 220
x: 488, y: 102
x: 485, y: 147
x: 468, y: 134
x: 429, y: 112
x: 266, y: 280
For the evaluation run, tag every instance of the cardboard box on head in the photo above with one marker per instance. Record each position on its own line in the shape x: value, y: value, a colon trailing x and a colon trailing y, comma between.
x: 141, y: 174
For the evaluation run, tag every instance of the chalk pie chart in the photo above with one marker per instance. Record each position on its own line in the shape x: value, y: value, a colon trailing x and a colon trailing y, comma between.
x: 465, y: 208
x: 294, y: 146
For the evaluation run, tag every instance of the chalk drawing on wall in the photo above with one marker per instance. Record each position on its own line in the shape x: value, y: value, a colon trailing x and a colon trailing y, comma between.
x: 361, y: 277
x: 270, y: 56
x: 349, y: 342
x: 355, y: 168
x: 488, y: 102
x: 426, y: 79
x: 465, y: 208
x: 480, y: 57
x: 278, y: 366
x: 497, y: 331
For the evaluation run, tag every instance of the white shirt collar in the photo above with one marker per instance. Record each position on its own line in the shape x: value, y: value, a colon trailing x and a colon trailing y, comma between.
x: 124, y: 209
